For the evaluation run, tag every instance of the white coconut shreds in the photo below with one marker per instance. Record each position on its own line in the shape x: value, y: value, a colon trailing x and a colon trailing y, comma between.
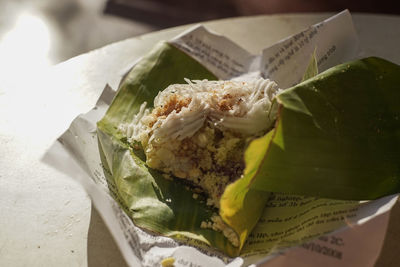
x: 182, y: 109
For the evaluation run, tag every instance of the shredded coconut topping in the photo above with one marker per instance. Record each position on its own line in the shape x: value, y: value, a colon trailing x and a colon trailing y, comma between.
x: 182, y: 109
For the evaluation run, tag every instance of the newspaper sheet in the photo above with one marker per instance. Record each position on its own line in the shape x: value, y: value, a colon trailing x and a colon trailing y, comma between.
x: 294, y: 229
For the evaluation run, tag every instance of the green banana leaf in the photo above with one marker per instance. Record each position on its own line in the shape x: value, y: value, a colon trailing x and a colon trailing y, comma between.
x: 312, y: 68
x: 168, y: 208
x: 153, y: 202
x: 337, y: 136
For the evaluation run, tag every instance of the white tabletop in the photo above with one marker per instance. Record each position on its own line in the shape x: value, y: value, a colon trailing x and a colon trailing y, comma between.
x: 46, y: 219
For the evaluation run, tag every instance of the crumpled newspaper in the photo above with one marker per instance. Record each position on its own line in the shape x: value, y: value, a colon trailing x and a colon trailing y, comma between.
x: 336, y: 226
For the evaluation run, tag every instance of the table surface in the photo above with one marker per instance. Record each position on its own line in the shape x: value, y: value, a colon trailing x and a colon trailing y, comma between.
x: 45, y: 217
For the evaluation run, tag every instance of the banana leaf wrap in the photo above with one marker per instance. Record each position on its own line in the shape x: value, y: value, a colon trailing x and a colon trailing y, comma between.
x: 337, y: 136
x: 153, y: 202
x: 315, y: 149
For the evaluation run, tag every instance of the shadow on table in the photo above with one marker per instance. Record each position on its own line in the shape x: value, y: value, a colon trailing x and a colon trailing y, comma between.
x: 390, y: 256
x: 101, y: 248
